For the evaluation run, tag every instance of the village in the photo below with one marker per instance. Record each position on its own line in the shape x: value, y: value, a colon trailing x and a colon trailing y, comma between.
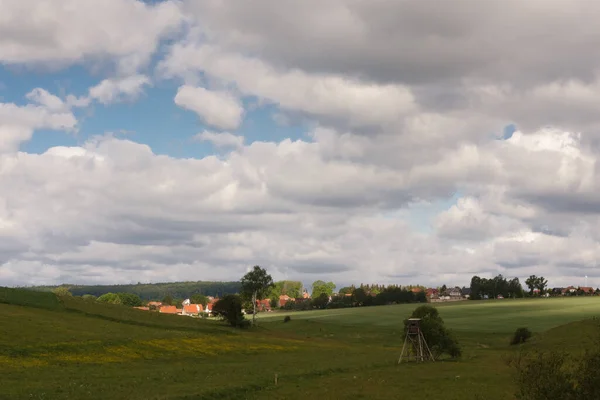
x: 432, y: 295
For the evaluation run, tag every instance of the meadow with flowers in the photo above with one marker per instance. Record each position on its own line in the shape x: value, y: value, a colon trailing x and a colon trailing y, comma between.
x: 66, y: 348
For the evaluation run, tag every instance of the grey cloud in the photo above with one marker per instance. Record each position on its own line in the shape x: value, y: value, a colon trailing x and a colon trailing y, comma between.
x: 317, y: 268
x: 416, y: 42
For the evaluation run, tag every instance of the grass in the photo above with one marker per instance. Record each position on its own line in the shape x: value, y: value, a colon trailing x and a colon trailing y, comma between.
x: 74, y: 349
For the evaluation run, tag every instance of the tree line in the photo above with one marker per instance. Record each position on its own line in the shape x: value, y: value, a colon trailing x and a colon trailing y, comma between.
x: 483, y: 288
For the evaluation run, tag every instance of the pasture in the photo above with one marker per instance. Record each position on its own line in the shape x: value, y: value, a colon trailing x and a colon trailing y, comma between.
x: 78, y: 350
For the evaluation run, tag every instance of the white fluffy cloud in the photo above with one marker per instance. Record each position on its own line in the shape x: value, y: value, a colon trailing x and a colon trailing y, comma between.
x: 221, y: 139
x: 17, y: 123
x: 219, y: 109
x: 112, y: 90
x: 74, y: 31
x: 406, y: 176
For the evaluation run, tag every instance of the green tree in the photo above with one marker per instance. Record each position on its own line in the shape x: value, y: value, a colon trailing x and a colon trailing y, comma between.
x: 291, y: 288
x: 62, y: 291
x: 346, y: 290
x: 359, y: 296
x: 167, y: 300
x: 109, y: 298
x: 534, y: 282
x: 320, y: 301
x: 230, y: 309
x: 255, y: 285
x: 199, y: 299
x: 437, y: 336
x: 319, y: 287
x: 274, y: 302
x: 129, y: 299
x: 89, y: 297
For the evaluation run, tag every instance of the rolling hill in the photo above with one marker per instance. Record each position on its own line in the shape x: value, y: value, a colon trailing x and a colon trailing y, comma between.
x: 55, y: 348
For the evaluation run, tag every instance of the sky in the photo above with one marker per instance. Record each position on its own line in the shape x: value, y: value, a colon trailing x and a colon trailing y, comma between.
x: 358, y: 141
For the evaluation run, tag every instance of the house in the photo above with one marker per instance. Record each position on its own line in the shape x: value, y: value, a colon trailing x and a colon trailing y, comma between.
x: 169, y: 310
x: 567, y: 290
x: 586, y: 289
x: 305, y: 294
x: 192, y: 309
x: 303, y: 300
x: 263, y: 305
x: 416, y: 290
x: 454, y: 293
x: 432, y: 293
x: 466, y: 292
x: 283, y: 299
x: 154, y: 305
x: 209, y: 308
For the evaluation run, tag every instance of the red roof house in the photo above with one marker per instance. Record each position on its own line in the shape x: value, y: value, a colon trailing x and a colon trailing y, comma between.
x: 192, y: 309
x: 169, y: 310
x: 283, y: 299
x: 263, y: 305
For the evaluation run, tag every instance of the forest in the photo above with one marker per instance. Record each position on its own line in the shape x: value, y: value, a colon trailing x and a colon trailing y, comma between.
x: 152, y: 291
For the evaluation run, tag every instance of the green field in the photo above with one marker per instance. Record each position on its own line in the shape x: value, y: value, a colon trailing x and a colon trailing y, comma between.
x: 72, y: 349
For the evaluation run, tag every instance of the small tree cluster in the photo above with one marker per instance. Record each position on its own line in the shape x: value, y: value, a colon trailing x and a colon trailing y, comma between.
x: 62, y: 292
x: 536, y: 283
x: 229, y: 308
x: 482, y: 288
x: 126, y: 299
x: 438, y: 337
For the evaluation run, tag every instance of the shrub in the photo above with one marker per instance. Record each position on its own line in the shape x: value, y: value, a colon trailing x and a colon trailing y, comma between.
x: 439, y: 339
x: 110, y: 298
x: 88, y: 297
x: 553, y: 374
x: 287, y: 318
x: 62, y: 291
x: 520, y: 336
x: 543, y: 376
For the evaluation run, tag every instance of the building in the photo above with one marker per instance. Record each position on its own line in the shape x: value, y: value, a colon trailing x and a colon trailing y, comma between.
x: 170, y: 310
x: 192, y: 309
x: 263, y: 305
x: 283, y: 299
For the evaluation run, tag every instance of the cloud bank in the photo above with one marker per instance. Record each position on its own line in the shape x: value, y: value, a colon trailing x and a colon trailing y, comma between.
x: 406, y: 175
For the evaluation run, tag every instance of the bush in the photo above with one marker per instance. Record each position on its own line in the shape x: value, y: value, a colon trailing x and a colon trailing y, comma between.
x: 520, y: 336
x: 110, y: 298
x: 543, y: 376
x: 439, y: 339
x: 62, y: 291
x: 287, y: 318
x: 229, y: 308
x: 555, y: 375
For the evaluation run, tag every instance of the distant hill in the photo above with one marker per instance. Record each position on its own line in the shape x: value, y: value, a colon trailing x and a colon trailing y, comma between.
x: 152, y: 291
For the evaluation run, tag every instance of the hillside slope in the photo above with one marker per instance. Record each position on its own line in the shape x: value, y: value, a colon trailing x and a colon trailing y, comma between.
x: 153, y: 291
x: 67, y: 348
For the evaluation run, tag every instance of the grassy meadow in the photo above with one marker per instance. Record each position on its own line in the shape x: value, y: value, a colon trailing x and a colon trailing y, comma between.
x: 72, y: 349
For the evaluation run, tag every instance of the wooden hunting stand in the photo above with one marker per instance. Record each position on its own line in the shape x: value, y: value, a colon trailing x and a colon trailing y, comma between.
x: 415, y: 347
